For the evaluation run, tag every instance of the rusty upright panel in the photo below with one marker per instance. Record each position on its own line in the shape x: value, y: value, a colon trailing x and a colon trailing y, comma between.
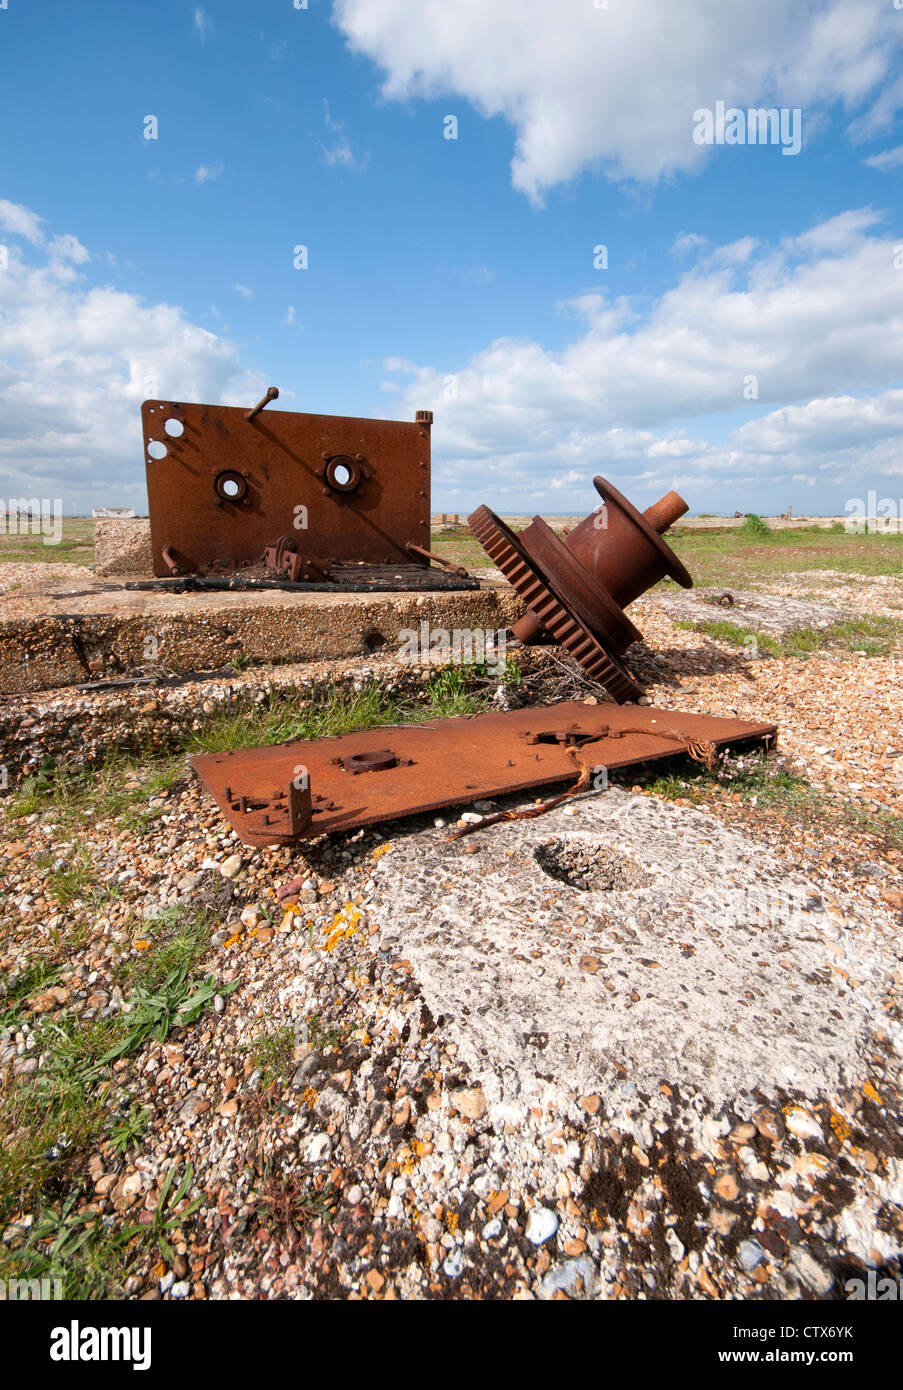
x: 225, y: 483
x: 371, y: 777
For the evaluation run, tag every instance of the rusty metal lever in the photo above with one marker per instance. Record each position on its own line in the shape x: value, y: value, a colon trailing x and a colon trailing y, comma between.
x: 271, y: 395
x: 439, y: 559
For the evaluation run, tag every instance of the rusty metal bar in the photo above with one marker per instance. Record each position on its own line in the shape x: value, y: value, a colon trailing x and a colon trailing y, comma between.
x: 271, y: 395
x: 438, y: 559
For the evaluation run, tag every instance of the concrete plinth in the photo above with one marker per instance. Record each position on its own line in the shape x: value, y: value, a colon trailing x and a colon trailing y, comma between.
x: 60, y: 636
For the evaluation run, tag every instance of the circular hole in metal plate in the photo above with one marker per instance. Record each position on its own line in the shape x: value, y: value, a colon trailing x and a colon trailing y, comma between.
x: 174, y: 428
x: 231, y: 486
x: 343, y: 473
x: 157, y: 449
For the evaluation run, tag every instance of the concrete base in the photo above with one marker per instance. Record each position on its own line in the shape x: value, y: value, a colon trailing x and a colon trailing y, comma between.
x: 690, y: 958
x: 59, y: 636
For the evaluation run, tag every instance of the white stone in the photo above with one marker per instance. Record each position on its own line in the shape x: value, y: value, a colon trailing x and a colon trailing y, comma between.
x: 541, y: 1225
x: 802, y: 1124
x: 317, y: 1148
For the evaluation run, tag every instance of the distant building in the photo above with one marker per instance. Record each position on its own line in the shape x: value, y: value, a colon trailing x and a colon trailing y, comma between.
x: 118, y: 512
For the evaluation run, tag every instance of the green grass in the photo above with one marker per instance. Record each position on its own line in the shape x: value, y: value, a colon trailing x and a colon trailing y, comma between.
x: 743, y: 556
x: 754, y: 526
x: 54, y: 1114
x: 128, y: 1130
x: 291, y: 715
x: 875, y: 635
x: 180, y: 936
x: 51, y: 1117
x: 75, y: 548
x: 730, y: 558
x: 90, y: 1258
x: 273, y: 1055
x: 766, y: 782
x: 119, y: 789
x: 32, y: 980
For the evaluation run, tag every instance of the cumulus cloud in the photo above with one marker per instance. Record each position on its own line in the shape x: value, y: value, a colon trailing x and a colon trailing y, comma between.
x: 574, y: 80
x: 77, y: 359
x: 19, y: 221
x: 887, y: 159
x: 805, y: 336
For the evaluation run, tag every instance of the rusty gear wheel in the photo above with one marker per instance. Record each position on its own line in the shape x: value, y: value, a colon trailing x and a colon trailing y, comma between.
x: 502, y: 546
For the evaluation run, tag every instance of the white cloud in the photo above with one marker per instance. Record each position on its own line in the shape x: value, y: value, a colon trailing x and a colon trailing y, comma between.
x: 19, y: 221
x: 338, y: 150
x: 688, y: 242
x: 576, y: 82
x: 243, y: 291
x: 291, y: 318
x: 75, y: 363
x: 887, y: 159
x: 206, y: 173
x: 816, y: 319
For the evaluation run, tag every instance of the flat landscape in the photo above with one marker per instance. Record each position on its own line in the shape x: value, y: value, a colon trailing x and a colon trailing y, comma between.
x: 642, y: 1046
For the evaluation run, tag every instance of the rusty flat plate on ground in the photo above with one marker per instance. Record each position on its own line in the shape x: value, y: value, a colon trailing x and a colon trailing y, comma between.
x: 225, y: 487
x: 426, y: 767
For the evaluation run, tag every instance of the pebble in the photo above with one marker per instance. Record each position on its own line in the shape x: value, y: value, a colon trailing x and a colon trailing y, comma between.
x: 541, y: 1225
x: 571, y: 1277
x: 749, y: 1254
x: 231, y: 866
x: 726, y: 1186
x: 317, y: 1148
x: 819, y: 1280
x: 802, y: 1124
x: 469, y: 1102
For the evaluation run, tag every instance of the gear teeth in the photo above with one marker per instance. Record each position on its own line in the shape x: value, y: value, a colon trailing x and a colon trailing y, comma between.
x: 564, y: 627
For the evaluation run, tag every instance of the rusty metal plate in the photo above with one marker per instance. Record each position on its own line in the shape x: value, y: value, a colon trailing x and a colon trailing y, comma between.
x: 221, y: 487
x: 375, y: 776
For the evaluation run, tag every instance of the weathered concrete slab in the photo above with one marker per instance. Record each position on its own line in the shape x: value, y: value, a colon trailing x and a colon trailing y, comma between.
x: 691, y: 960
x: 62, y: 635
x: 769, y: 613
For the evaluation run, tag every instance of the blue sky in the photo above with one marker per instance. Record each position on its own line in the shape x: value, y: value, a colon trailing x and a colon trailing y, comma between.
x: 459, y: 275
